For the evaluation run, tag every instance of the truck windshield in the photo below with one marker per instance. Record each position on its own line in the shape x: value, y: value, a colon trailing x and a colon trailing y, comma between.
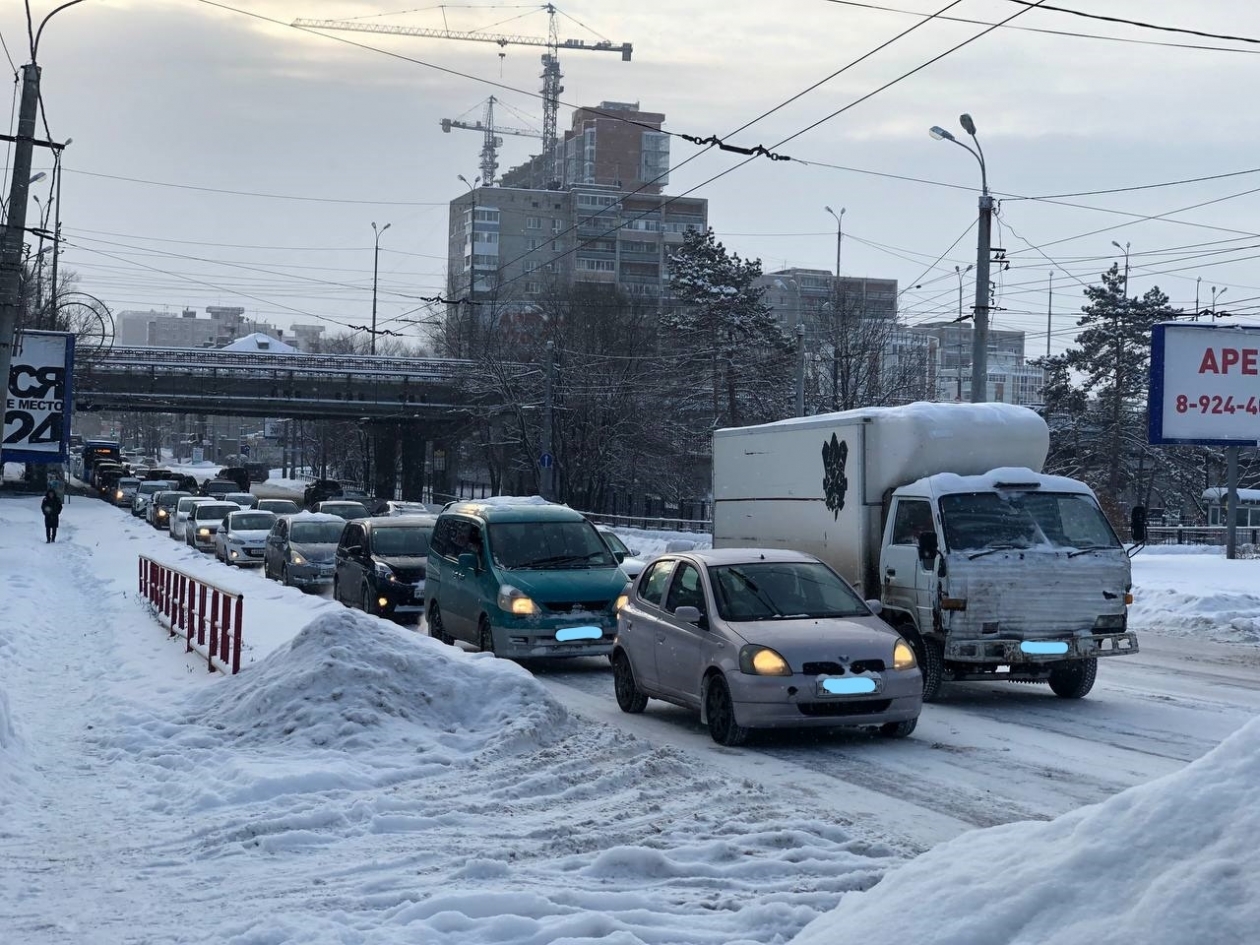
x: 982, y: 521
x: 783, y: 590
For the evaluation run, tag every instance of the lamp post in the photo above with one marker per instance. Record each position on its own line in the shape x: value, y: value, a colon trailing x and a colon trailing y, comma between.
x: 1124, y: 249
x: 960, y: 272
x: 53, y: 292
x: 1216, y: 294
x: 980, y: 338
x: 376, y: 257
x: 839, y: 236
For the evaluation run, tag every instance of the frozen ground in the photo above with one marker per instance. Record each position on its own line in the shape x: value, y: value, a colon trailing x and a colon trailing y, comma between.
x: 360, y: 783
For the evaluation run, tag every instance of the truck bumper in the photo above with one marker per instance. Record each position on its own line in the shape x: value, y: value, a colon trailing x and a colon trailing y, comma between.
x: 1013, y: 652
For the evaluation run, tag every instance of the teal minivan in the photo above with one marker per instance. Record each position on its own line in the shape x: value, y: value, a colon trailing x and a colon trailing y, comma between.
x: 522, y: 579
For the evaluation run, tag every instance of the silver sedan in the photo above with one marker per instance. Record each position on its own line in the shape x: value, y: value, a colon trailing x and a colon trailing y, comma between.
x: 762, y: 639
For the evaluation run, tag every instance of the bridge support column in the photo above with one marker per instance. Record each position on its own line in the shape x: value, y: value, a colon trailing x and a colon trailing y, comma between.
x: 414, y: 448
x: 442, y: 483
x: 385, y: 461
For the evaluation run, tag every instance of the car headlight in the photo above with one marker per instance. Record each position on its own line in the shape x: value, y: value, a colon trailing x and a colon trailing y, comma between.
x: 762, y: 661
x: 515, y: 601
x: 118, y: 494
x: 161, y: 513
x: 384, y: 571
x: 295, y: 558
x: 203, y: 532
x: 903, y: 656
x: 621, y: 601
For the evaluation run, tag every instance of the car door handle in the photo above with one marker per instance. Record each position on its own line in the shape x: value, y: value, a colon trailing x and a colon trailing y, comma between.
x: 890, y: 572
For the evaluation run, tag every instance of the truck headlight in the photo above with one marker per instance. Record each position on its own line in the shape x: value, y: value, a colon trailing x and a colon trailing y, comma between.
x: 762, y: 661
x: 515, y: 601
x: 903, y: 655
x: 118, y: 494
x: 203, y: 532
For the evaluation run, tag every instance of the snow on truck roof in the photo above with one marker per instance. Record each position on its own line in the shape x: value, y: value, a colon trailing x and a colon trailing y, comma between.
x: 1012, y: 477
x: 945, y: 418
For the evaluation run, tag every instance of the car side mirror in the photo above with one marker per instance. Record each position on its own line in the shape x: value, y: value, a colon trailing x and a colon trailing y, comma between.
x: 877, y: 607
x: 1137, y: 523
x: 467, y: 560
x: 929, y: 547
x: 689, y: 614
x: 620, y: 556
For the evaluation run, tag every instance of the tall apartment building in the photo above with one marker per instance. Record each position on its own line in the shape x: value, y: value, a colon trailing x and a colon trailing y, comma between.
x: 512, y: 244
x: 1010, y: 378
x: 811, y: 295
x: 614, y: 144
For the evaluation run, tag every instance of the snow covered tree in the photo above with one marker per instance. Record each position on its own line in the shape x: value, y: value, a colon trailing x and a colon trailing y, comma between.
x: 724, y: 330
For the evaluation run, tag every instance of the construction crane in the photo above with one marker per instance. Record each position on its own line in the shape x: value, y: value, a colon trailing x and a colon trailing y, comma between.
x: 551, y: 74
x: 491, y: 142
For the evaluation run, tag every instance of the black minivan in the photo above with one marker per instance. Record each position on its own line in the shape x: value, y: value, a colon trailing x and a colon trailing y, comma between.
x: 381, y: 564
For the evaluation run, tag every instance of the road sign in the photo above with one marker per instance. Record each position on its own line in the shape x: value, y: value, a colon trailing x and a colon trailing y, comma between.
x: 546, y: 461
x: 197, y: 454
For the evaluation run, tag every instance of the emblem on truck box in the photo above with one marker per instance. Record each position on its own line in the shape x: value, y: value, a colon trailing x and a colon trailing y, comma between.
x: 835, y: 484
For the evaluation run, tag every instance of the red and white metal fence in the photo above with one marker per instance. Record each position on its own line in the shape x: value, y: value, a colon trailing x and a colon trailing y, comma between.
x: 207, y: 616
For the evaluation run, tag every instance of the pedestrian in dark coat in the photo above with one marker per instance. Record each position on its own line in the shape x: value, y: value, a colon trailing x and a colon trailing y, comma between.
x: 51, y: 507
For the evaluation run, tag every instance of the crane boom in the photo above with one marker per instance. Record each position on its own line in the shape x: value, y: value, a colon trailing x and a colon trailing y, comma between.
x: 491, y: 140
x: 502, y: 39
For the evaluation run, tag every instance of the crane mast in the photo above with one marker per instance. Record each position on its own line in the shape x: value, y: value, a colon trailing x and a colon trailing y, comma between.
x: 491, y: 142
x: 551, y: 75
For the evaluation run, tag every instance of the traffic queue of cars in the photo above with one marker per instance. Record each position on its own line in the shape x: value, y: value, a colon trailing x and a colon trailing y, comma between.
x: 748, y: 638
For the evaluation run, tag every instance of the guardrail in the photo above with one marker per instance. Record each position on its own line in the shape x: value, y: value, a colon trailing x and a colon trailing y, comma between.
x: 656, y: 524
x: 1198, y: 535
x: 196, y: 609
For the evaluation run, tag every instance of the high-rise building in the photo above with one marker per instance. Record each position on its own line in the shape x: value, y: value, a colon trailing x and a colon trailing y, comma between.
x: 1010, y: 378
x: 812, y: 295
x: 614, y: 144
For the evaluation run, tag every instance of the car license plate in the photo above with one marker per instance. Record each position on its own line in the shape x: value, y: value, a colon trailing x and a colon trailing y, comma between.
x: 570, y: 634
x: 847, y: 685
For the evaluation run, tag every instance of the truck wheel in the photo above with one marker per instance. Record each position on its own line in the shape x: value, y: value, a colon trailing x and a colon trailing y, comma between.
x: 898, y: 729
x: 1074, y: 679
x: 630, y: 698
x: 931, y: 657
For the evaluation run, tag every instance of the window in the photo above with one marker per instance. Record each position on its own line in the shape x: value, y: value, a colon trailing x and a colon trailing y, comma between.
x: 531, y: 244
x: 555, y: 222
x: 685, y: 591
x: 487, y: 216
x: 597, y: 265
x: 912, y: 518
x: 557, y: 246
x: 652, y: 586
x: 533, y: 223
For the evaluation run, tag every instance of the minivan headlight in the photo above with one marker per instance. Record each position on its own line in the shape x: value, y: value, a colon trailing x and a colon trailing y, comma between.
x: 295, y: 558
x: 516, y: 601
x: 384, y: 571
x: 903, y: 655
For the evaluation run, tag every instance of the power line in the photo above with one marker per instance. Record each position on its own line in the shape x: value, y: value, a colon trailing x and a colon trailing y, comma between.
x: 1123, y: 190
x: 1068, y: 33
x: 1149, y: 26
x: 247, y: 193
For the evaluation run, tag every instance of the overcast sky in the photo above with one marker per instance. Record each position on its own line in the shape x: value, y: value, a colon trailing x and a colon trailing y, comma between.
x: 192, y: 124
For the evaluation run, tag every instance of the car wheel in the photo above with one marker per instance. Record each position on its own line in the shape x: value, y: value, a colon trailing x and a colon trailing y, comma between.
x: 337, y: 590
x: 366, y: 601
x: 437, y: 629
x: 720, y: 712
x: 899, y: 729
x: 485, y: 636
x: 630, y: 698
x: 1074, y: 679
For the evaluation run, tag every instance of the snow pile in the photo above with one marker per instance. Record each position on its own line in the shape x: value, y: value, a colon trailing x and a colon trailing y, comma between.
x: 8, y: 735
x: 259, y: 341
x: 349, y: 682
x: 1165, y: 863
x: 1176, y: 594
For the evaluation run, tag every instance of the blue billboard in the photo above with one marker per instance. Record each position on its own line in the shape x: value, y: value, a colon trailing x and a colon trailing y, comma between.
x: 38, y: 402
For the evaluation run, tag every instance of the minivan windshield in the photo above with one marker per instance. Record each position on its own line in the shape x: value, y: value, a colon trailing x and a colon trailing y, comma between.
x: 991, y: 521
x: 316, y: 533
x: 548, y: 545
x: 406, y: 541
x: 783, y: 590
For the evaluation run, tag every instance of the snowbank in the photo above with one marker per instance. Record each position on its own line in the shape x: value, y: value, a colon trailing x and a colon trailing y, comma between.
x: 1197, y: 595
x: 350, y: 682
x: 1165, y: 863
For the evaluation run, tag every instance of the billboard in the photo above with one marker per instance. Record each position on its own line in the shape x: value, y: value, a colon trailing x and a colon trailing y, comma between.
x: 38, y: 402
x: 1205, y: 384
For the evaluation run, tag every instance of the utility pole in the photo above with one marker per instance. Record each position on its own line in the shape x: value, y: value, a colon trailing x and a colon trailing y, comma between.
x: 800, y: 369
x: 547, y: 460
x: 1049, y: 312
x: 15, y: 224
x: 980, y: 339
x: 376, y: 258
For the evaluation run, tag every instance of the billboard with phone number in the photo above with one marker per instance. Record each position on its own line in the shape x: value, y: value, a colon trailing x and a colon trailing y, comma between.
x: 1205, y: 384
x: 38, y: 401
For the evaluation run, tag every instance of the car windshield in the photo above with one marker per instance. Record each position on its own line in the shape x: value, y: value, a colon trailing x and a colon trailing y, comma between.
x: 148, y: 488
x: 782, y: 590
x: 240, y: 496
x: 409, y: 541
x: 345, y: 510
x: 279, y: 506
x: 170, y: 498
x: 548, y: 545
x: 128, y: 483
x: 186, y: 504
x: 315, y: 533
x: 213, y: 513
x: 253, y: 522
x: 220, y: 485
x: 615, y: 543
x: 984, y: 521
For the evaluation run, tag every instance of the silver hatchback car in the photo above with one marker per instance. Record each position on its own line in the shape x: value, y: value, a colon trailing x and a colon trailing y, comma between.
x: 762, y: 639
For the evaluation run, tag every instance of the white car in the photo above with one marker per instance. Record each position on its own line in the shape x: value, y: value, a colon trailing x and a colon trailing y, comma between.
x: 204, y: 521
x: 246, y: 500
x: 179, y: 518
x: 242, y: 538
x: 145, y: 492
x: 631, y: 563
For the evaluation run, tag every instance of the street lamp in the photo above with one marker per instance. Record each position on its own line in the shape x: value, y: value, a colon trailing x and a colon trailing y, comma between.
x: 1216, y: 295
x: 980, y: 337
x: 1124, y: 249
x: 839, y: 235
x: 376, y: 257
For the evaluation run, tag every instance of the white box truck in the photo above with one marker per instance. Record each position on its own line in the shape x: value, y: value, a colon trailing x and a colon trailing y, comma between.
x: 990, y: 569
